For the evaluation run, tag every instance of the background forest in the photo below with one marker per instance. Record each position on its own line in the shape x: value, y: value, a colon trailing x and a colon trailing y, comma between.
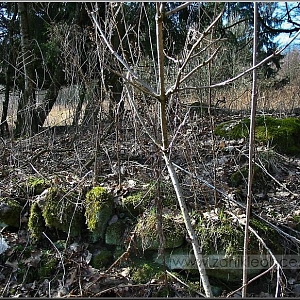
x: 125, y: 136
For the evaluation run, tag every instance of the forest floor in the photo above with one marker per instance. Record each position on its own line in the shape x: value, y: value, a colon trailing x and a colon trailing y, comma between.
x: 65, y: 155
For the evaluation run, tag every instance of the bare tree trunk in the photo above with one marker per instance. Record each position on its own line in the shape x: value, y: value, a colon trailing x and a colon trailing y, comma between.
x: 212, y: 123
x: 161, y: 95
x: 163, y: 121
x: 251, y: 156
x: 189, y: 228
x: 8, y: 76
x: 161, y: 88
x: 82, y: 94
x: 113, y: 82
x: 41, y: 113
x: 27, y: 101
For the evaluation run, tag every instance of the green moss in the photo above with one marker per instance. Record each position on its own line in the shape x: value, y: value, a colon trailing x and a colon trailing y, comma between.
x: 268, y: 234
x: 47, y: 266
x: 99, y: 209
x: 24, y: 273
x: 145, y: 272
x: 103, y: 259
x: 60, y: 244
x: 33, y: 267
x: 36, y: 223
x: 219, y: 235
x: 132, y: 205
x: 239, y: 179
x: 233, y: 129
x: 61, y: 211
x: 282, y: 134
x: 296, y: 219
x: 36, y: 185
x: 115, y: 233
x: 147, y: 235
x: 166, y: 193
x: 10, y: 211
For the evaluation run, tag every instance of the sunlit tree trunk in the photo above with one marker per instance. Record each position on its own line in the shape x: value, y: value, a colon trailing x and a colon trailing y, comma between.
x: 164, y: 131
x: 251, y: 156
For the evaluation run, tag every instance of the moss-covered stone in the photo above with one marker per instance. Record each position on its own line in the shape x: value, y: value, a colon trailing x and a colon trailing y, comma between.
x: 239, y: 179
x: 36, y: 223
x: 222, y: 242
x: 218, y: 234
x: 282, y: 134
x: 47, y: 266
x: 270, y: 236
x: 132, y: 205
x: 10, y: 211
x: 62, y: 211
x: 115, y: 233
x: 147, y: 235
x: 145, y: 272
x: 104, y: 258
x: 99, y: 209
x: 36, y: 185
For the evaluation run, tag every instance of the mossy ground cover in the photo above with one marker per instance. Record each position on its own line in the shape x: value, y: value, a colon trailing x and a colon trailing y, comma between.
x: 102, y: 259
x: 36, y: 223
x: 99, y: 209
x: 10, y: 210
x: 36, y: 185
x: 218, y: 234
x: 282, y: 134
x: 147, y: 233
x: 62, y: 211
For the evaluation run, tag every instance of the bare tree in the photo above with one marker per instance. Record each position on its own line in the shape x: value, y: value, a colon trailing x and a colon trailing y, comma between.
x: 201, y: 48
x: 27, y: 101
x: 8, y: 70
x: 162, y: 95
x: 251, y: 155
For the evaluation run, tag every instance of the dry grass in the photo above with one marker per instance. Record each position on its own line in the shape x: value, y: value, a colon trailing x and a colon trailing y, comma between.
x: 284, y: 100
x: 60, y: 115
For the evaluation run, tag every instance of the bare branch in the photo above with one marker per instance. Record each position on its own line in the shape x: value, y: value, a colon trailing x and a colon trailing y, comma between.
x: 120, y: 59
x: 178, y: 8
x: 226, y: 82
x: 189, y: 55
x: 132, y: 103
x: 251, y: 153
x: 200, y: 66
